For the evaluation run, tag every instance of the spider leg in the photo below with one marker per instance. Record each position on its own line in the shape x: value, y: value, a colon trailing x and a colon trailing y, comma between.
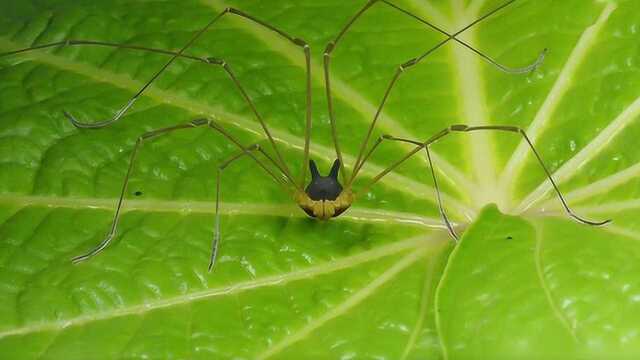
x: 519, y: 130
x: 307, y: 55
x: 164, y: 131
x: 136, y: 96
x: 221, y: 168
x: 207, y: 60
x: 443, y: 214
x: 487, y: 58
x: 452, y: 232
x: 77, y: 42
x: 465, y: 128
x: 402, y: 68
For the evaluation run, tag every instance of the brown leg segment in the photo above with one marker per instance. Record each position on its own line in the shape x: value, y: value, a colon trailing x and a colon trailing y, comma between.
x: 465, y: 128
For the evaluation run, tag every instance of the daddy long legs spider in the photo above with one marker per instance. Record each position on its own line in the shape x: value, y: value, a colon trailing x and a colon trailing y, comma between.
x: 324, y: 197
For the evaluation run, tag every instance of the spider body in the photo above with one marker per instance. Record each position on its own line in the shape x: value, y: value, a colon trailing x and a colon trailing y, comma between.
x: 324, y: 197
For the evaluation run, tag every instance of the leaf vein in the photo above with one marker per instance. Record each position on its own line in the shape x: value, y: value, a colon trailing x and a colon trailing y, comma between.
x: 355, y: 214
x: 424, y: 306
x: 394, y: 180
x: 561, y: 86
x: 420, y: 242
x: 588, y: 153
x: 474, y: 109
x: 340, y: 88
x: 545, y: 287
x: 599, y: 187
x: 345, y: 306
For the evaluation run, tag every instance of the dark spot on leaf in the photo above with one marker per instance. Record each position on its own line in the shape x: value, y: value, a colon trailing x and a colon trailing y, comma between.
x: 138, y: 193
x: 509, y: 238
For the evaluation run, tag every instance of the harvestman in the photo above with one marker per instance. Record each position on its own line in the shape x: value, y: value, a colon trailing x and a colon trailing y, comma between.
x: 324, y: 197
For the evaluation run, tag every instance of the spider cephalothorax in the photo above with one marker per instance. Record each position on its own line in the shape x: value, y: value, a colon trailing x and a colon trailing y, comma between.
x: 324, y: 197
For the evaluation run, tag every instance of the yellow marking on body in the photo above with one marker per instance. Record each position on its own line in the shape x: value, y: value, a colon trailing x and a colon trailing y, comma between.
x: 325, y: 209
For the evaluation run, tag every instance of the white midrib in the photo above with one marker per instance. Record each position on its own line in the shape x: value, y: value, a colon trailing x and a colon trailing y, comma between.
x: 597, y: 188
x: 588, y: 153
x: 290, y: 210
x: 473, y: 100
x: 610, y: 207
x: 554, y: 98
x: 424, y: 244
x: 427, y: 11
x: 393, y: 179
x: 475, y: 6
x: 617, y: 230
x: 345, y: 306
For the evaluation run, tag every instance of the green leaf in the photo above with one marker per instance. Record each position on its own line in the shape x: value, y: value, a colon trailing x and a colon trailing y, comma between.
x: 538, y: 289
x: 532, y: 284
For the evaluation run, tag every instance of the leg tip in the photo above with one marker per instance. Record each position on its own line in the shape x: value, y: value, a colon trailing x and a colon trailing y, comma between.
x: 589, y: 222
x: 606, y: 222
x: 72, y: 119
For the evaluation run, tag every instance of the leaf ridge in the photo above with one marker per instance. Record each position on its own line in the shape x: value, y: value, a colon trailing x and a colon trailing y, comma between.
x: 420, y: 242
x: 473, y: 102
x: 558, y: 91
x: 545, y: 287
x: 425, y: 298
x: 395, y: 180
x: 355, y: 214
x: 617, y: 206
x: 593, y: 148
x: 349, y: 303
x: 475, y: 6
x: 341, y: 89
x: 618, y: 230
x: 599, y: 187
x: 428, y: 11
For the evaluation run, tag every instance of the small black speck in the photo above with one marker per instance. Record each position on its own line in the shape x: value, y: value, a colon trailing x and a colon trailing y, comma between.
x: 509, y: 238
x: 137, y: 193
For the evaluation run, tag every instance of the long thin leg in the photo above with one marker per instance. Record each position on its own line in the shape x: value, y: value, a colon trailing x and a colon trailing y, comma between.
x: 487, y: 58
x: 211, y: 60
x: 206, y: 60
x: 134, y: 98
x: 307, y: 53
x: 439, y: 197
x: 521, y: 131
x: 443, y: 214
x: 78, y: 42
x: 419, y: 146
x: 412, y: 62
x: 401, y: 69
x: 221, y: 167
x: 466, y: 128
x: 159, y: 132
